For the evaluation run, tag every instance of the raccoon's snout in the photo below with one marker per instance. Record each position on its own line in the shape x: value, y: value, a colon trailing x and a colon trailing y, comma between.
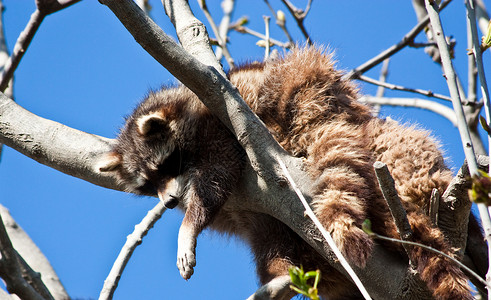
x: 171, y: 202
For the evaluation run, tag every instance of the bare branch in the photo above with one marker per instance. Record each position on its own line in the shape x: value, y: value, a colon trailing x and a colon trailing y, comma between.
x: 405, y: 41
x: 222, y: 41
x: 457, y: 104
x: 435, y: 107
x: 243, y: 29
x: 28, y: 250
x: 299, y: 16
x: 402, y: 88
x: 471, y: 69
x: 266, y: 29
x: 456, y: 221
x: 144, y: 5
x: 482, y: 15
x: 45, y: 8
x: 11, y: 269
x: 434, y: 205
x: 51, y: 143
x: 387, y: 186
x: 471, y: 18
x: 228, y: 7
x: 280, y: 21
x: 132, y: 241
x: 384, y: 72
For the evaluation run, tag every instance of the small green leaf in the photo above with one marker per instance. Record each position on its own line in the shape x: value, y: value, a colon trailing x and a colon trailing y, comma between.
x: 300, y: 285
x: 366, y: 226
x: 480, y: 191
x: 484, y: 124
x: 486, y: 40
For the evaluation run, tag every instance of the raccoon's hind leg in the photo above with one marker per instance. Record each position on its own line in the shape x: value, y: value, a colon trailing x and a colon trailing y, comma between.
x: 276, y: 248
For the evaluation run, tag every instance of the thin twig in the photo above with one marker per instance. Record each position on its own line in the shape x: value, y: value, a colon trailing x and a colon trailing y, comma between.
x: 280, y: 21
x: 244, y: 29
x: 222, y: 42
x: 471, y: 18
x: 402, y: 88
x: 433, y: 106
x: 450, y: 76
x: 405, y: 41
x: 324, y: 232
x: 474, y: 274
x: 422, y: 45
x: 384, y: 72
x: 20, y: 48
x: 299, y: 16
x: 228, y: 7
x: 132, y: 241
x: 266, y: 29
x: 471, y: 69
x: 44, y: 8
x: 144, y: 5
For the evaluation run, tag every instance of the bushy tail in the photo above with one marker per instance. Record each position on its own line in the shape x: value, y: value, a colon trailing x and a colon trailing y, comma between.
x: 443, y: 277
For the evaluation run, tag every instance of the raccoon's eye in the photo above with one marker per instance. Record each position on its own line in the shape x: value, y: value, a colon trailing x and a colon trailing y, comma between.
x: 172, y: 166
x: 147, y: 189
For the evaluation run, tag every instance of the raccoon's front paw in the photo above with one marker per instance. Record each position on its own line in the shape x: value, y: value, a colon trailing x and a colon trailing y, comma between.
x: 354, y: 243
x: 186, y: 261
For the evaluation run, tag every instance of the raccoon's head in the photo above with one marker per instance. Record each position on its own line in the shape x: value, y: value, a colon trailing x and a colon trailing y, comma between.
x: 148, y: 157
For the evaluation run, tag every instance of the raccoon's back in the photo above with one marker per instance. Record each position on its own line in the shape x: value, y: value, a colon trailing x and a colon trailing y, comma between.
x: 297, y: 94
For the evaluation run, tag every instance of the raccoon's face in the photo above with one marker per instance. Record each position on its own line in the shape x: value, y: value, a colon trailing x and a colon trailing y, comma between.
x: 148, y: 159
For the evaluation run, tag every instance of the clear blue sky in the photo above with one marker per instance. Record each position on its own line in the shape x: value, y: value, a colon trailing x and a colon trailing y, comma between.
x: 83, y: 69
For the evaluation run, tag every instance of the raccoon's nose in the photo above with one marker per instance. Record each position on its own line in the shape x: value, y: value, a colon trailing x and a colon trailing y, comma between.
x: 171, y: 202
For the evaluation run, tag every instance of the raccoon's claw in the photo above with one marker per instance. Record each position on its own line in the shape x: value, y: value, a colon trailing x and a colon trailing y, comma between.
x: 186, y: 261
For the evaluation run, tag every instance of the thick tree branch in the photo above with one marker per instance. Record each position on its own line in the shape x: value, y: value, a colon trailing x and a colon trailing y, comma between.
x: 52, y: 143
x: 28, y: 250
x: 13, y: 270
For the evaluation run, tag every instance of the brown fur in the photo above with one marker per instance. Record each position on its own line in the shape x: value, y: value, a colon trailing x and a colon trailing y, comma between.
x: 314, y: 114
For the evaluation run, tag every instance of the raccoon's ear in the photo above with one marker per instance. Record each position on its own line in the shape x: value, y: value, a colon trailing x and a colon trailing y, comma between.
x: 148, y: 124
x: 109, y: 162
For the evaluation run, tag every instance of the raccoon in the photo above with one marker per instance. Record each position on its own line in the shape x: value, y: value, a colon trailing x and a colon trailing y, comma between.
x: 172, y: 147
